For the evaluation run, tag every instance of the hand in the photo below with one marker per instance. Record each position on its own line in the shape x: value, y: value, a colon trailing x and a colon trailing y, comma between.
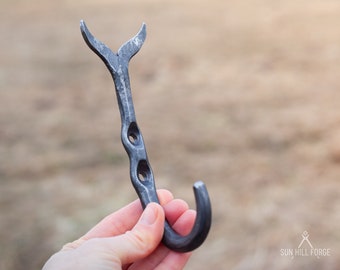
x: 129, y: 239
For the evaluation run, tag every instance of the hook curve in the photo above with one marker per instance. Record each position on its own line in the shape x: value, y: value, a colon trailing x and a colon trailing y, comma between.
x: 201, y: 226
x: 140, y: 170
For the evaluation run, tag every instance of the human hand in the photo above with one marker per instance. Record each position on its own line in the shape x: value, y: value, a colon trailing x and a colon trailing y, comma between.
x: 129, y: 239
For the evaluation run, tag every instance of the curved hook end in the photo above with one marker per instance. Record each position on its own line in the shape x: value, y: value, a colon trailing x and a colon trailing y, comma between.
x: 201, y: 226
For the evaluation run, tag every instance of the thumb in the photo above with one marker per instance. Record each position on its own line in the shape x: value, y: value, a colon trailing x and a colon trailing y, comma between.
x: 143, y: 239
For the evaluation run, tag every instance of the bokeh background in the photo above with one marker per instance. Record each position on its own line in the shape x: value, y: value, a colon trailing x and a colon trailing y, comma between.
x: 244, y: 95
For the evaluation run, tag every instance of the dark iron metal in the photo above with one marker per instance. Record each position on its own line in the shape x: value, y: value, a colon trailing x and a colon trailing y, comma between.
x: 140, y: 170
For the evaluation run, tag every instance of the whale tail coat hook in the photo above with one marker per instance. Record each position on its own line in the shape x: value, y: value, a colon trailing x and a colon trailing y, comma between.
x: 140, y: 170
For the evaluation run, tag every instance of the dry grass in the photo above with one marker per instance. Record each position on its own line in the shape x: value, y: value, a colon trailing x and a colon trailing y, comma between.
x: 241, y: 94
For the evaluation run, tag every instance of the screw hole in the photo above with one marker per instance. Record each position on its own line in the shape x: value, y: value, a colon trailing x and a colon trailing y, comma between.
x: 133, y: 133
x: 143, y: 171
x: 132, y: 138
x: 141, y: 177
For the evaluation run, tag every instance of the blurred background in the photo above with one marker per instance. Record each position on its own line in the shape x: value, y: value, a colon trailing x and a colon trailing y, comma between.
x: 243, y: 95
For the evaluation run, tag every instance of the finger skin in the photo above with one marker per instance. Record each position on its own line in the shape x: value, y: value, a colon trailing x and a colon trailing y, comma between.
x: 127, y: 239
x: 184, y: 224
x: 174, y: 209
x: 174, y: 260
x: 143, y: 239
x: 182, y: 220
x: 113, y: 252
x: 124, y: 219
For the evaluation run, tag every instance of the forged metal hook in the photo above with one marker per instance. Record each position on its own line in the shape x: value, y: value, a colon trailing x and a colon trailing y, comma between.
x: 140, y: 170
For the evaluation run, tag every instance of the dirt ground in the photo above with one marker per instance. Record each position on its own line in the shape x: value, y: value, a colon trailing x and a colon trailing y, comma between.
x: 243, y: 95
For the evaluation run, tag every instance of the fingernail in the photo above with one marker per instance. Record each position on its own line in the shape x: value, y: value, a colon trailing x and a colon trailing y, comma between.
x: 149, y: 215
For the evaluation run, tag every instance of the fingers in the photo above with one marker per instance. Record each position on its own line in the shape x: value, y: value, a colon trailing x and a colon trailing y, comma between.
x: 185, y: 222
x: 113, y: 252
x: 142, y: 240
x: 179, y: 216
x: 174, y: 209
x: 132, y: 237
x: 182, y: 220
x: 162, y: 258
x: 124, y: 219
x: 174, y: 259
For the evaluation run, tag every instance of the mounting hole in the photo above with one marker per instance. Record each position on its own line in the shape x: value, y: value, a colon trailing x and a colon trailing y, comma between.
x: 143, y: 171
x: 141, y: 177
x: 133, y: 133
x: 132, y: 138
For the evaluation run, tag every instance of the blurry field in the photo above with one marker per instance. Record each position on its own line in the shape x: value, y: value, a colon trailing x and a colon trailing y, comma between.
x: 244, y: 95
